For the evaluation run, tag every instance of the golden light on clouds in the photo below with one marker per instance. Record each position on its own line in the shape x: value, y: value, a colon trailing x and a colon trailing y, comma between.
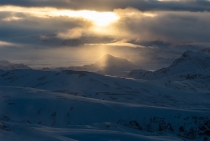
x: 132, y: 12
x: 38, y: 12
x: 71, y: 34
x: 169, y: 0
x: 149, y: 14
x: 3, y: 44
x: 103, y: 23
x: 13, y: 18
x: 100, y: 19
x: 93, y: 23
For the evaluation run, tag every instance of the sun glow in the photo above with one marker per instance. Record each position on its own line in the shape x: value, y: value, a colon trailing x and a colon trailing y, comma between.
x: 100, y: 19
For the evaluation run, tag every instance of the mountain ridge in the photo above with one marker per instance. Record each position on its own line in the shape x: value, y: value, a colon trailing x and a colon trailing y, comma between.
x: 6, y: 65
x: 189, y: 61
x: 108, y: 65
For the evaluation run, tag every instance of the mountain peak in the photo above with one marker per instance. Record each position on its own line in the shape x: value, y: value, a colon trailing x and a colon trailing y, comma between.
x: 6, y: 65
x: 192, y: 54
x: 110, y: 61
x: 4, y: 62
x: 196, y: 58
x: 188, y: 53
x: 189, y: 61
x: 109, y: 56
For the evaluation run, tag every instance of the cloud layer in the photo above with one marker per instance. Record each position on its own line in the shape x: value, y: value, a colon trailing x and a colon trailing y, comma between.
x: 107, y: 5
x: 172, y: 26
x: 21, y: 24
x: 53, y: 24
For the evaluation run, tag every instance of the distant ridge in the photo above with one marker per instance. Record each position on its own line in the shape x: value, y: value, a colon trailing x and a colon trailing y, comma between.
x: 109, y: 65
x: 111, y: 62
x: 6, y: 65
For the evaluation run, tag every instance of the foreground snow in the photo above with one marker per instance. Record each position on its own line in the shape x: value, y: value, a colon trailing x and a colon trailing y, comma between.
x: 72, y: 105
x: 43, y: 115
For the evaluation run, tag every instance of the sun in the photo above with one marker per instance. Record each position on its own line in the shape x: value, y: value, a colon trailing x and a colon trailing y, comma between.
x: 99, y: 19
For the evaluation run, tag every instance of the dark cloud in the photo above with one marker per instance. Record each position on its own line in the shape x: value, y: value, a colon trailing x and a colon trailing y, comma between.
x: 28, y: 29
x: 176, y: 27
x: 142, y: 5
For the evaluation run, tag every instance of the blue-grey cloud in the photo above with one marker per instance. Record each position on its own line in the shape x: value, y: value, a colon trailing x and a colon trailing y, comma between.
x: 142, y: 5
x: 170, y: 26
x: 176, y: 27
x: 29, y: 29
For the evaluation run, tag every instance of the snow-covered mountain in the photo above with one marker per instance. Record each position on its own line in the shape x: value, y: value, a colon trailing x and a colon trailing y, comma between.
x: 155, y: 59
x: 189, y: 61
x: 193, y: 60
x: 6, y: 65
x: 188, y: 73
x: 110, y: 62
x: 109, y: 65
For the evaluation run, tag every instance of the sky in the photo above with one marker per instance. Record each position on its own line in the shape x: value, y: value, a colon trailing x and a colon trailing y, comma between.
x: 76, y: 32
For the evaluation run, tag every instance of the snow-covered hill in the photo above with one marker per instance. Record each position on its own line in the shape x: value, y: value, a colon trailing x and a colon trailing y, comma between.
x: 28, y: 113
x: 93, y: 85
x: 195, y: 81
x: 6, y: 65
x: 85, y: 106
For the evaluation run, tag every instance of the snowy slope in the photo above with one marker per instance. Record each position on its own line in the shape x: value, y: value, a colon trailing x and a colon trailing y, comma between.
x: 206, y: 50
x: 97, y: 86
x: 139, y: 74
x: 195, y: 81
x: 34, y: 114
